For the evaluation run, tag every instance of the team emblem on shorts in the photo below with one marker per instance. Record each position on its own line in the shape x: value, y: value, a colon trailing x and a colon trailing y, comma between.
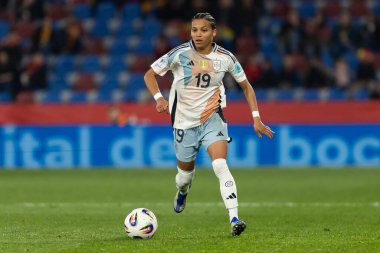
x: 217, y: 64
x: 203, y: 64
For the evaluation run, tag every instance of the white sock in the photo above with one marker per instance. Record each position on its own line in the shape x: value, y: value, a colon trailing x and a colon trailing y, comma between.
x: 233, y: 212
x: 183, y: 180
x: 226, y: 182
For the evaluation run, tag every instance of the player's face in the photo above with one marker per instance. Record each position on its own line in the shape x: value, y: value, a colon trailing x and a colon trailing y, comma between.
x: 202, y: 33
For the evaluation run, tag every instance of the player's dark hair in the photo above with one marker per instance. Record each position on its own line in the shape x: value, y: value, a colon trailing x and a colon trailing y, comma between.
x: 207, y: 16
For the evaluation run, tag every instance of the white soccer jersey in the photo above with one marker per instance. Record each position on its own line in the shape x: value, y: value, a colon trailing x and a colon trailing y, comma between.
x: 197, y: 90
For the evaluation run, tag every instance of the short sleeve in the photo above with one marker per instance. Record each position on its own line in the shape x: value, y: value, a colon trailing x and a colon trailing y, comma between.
x: 161, y: 65
x: 236, y: 69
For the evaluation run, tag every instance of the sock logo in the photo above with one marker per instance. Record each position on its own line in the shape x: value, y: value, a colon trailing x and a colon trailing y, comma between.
x: 232, y: 196
x: 229, y: 183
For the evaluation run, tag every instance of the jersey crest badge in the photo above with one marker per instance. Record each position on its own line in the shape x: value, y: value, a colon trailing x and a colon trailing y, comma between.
x: 203, y: 64
x: 217, y: 64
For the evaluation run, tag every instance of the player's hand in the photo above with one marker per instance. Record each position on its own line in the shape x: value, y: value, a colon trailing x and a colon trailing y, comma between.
x: 260, y: 129
x: 162, y: 105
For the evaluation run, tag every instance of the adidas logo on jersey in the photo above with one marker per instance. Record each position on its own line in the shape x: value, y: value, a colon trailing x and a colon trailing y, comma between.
x: 190, y: 63
x: 220, y: 134
x: 232, y: 196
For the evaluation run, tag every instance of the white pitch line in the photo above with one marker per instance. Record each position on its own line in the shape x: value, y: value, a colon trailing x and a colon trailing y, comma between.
x: 197, y: 204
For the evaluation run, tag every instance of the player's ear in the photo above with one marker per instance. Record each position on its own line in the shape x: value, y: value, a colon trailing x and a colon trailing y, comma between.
x: 214, y: 32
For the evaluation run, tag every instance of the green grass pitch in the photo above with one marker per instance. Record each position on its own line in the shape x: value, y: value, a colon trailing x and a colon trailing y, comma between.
x: 286, y: 210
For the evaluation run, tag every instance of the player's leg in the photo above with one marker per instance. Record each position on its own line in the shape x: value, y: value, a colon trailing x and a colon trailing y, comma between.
x: 186, y: 147
x: 215, y: 141
x: 228, y: 190
x: 183, y: 181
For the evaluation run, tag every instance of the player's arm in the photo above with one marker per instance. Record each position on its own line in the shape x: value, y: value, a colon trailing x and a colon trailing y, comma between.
x: 259, y: 126
x: 162, y: 104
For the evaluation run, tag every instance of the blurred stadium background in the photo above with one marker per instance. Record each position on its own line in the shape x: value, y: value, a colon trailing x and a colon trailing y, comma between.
x: 72, y: 92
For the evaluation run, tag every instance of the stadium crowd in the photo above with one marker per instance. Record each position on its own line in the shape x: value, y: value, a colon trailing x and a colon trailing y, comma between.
x: 97, y: 51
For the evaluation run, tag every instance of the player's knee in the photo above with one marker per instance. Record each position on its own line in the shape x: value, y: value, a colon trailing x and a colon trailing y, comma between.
x: 184, y: 177
x: 220, y: 166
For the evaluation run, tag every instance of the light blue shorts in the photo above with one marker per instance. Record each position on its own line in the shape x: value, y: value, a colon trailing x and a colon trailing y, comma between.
x: 187, y: 142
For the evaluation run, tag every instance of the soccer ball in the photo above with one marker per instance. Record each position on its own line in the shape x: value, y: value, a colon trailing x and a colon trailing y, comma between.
x: 140, y: 223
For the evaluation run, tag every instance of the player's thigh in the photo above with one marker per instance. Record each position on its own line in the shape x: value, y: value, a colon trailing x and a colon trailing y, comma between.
x: 217, y: 150
x: 186, y: 145
x: 215, y: 137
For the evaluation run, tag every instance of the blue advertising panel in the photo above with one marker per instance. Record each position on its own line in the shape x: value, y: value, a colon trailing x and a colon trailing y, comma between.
x: 152, y: 146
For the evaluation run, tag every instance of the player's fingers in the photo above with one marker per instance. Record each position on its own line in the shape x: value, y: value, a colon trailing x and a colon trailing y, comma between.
x: 258, y: 133
x: 159, y: 108
x: 264, y: 130
x: 269, y: 133
x: 269, y: 130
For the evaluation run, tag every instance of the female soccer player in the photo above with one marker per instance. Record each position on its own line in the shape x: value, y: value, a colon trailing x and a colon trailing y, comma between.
x: 195, y: 103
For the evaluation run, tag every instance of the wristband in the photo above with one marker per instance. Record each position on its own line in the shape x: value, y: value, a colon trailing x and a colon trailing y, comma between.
x: 256, y: 114
x: 157, y: 95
